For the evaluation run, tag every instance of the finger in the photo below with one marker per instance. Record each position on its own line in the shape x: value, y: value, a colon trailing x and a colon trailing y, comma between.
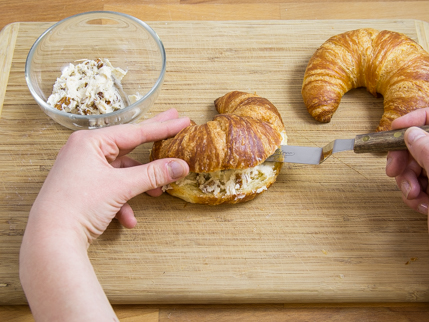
x: 150, y: 176
x: 162, y: 130
x: 409, y: 184
x: 155, y: 192
x: 409, y: 179
x: 417, y: 117
x: 119, y: 140
x: 396, y: 162
x: 417, y: 142
x: 126, y: 216
x: 124, y: 162
x: 419, y: 204
x: 162, y: 117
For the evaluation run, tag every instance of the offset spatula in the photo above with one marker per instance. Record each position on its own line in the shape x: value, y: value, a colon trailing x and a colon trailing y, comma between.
x: 371, y: 142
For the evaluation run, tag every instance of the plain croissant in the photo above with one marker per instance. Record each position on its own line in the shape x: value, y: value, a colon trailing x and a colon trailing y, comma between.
x: 385, y: 62
x: 225, y: 155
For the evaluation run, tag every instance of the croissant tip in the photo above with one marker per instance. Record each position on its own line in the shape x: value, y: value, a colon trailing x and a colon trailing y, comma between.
x: 323, y: 118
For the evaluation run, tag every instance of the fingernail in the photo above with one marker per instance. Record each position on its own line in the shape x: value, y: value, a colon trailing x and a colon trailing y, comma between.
x: 405, y: 188
x: 175, y: 169
x: 423, y: 209
x: 389, y: 161
x: 414, y: 133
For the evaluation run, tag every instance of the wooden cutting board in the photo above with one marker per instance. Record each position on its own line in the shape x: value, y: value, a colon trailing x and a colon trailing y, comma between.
x: 337, y: 232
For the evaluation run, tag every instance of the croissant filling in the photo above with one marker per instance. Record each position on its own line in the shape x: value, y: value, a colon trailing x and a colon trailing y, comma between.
x: 228, y: 182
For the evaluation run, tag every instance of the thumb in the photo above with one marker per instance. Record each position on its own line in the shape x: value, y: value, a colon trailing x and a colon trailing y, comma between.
x: 417, y: 141
x: 149, y: 176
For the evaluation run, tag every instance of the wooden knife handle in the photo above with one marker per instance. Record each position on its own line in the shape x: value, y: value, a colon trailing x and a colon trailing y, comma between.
x: 382, y: 141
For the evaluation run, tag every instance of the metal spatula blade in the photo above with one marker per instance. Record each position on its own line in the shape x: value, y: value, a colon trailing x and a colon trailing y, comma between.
x: 310, y: 155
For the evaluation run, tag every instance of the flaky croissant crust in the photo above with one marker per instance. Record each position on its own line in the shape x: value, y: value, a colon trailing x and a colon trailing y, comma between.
x: 245, y: 133
x: 385, y: 62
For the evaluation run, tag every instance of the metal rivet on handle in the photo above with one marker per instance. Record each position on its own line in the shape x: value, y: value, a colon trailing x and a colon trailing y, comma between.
x: 397, y: 134
x: 365, y: 138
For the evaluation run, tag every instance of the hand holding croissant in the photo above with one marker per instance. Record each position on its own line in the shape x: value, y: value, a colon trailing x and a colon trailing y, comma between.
x: 226, y: 155
x: 245, y: 133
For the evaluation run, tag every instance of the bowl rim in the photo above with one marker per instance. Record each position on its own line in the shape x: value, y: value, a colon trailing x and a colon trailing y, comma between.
x: 149, y: 93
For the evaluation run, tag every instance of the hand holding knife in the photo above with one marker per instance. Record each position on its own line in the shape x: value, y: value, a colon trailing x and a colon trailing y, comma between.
x: 363, y: 143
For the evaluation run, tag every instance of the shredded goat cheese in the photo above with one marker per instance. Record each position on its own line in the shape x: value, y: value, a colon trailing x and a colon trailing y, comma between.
x: 229, y: 182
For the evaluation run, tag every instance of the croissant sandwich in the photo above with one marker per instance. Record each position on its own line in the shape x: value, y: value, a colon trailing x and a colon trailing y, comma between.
x: 385, y: 62
x: 226, y: 155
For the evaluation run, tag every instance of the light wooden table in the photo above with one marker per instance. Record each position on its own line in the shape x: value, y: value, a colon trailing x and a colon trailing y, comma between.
x: 176, y: 10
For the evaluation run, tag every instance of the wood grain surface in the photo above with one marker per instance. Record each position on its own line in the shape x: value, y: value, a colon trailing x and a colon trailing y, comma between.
x: 334, y: 233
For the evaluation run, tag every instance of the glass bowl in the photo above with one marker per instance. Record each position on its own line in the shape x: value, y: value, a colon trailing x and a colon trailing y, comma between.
x: 125, y: 41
